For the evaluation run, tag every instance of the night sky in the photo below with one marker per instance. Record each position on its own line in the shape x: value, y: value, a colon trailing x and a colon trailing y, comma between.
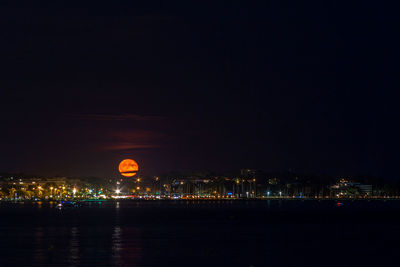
x: 270, y: 85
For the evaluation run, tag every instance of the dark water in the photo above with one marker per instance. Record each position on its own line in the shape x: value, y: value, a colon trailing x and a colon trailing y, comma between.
x: 180, y: 233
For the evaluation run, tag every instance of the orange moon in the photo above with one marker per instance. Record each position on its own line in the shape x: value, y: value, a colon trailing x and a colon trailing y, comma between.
x: 128, y: 167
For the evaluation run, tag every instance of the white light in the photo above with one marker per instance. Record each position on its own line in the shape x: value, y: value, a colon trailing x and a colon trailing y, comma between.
x: 117, y: 191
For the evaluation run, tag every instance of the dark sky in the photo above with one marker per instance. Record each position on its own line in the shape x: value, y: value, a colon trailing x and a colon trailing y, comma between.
x: 272, y: 85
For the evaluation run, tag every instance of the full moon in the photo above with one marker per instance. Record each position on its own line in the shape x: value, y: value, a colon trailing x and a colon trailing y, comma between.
x: 128, y: 167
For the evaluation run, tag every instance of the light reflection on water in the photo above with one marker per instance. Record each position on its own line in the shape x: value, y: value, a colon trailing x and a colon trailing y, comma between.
x: 116, y: 245
x: 187, y: 233
x: 73, y: 259
x: 116, y: 237
x: 125, y: 242
x: 38, y: 245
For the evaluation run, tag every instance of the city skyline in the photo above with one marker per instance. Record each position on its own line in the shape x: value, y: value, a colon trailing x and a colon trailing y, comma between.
x: 243, y: 184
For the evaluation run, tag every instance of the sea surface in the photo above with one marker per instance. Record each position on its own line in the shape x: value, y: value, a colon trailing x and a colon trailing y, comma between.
x: 202, y: 233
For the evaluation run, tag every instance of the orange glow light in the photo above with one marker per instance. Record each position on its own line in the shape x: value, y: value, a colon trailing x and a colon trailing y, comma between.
x: 128, y: 167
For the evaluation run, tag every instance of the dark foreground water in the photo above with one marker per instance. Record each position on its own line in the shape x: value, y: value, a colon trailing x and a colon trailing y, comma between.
x: 220, y: 233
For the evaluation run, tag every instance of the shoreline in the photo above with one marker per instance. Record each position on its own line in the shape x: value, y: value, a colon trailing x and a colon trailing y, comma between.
x: 197, y: 200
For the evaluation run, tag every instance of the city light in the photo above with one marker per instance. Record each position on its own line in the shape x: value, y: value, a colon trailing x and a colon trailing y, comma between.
x: 185, y: 188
